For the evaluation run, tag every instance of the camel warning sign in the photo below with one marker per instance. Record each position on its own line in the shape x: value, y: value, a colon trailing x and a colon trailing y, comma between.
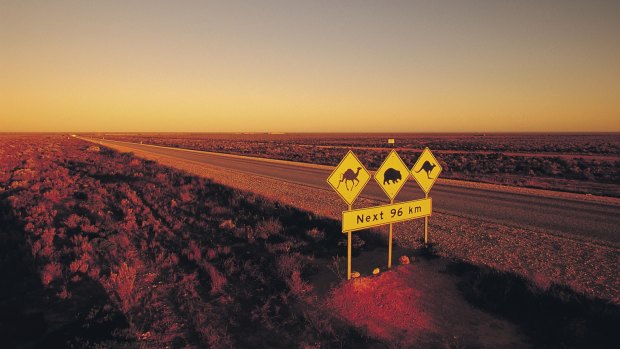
x: 426, y: 170
x: 392, y: 175
x: 349, y: 178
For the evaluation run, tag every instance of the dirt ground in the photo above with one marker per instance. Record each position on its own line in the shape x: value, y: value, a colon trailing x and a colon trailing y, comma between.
x: 415, y: 305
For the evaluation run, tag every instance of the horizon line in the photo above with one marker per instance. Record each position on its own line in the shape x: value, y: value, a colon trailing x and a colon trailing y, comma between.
x: 275, y: 133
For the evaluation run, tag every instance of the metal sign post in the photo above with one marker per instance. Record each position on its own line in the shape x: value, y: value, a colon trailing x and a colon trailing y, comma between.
x: 426, y: 228
x: 348, y: 179
x: 349, y: 252
x: 425, y: 172
x: 391, y: 177
x: 390, y: 243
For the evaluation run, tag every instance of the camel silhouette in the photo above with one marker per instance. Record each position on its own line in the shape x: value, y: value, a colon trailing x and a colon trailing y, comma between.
x: 349, y: 175
x: 428, y: 167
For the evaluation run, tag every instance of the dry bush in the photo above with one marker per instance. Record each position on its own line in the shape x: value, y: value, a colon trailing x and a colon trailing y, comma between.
x: 79, y: 265
x: 218, y: 281
x: 316, y: 234
x: 299, y: 288
x: 122, y: 282
x: 193, y: 252
x: 211, y: 254
x: 289, y: 263
x: 221, y: 211
x: 267, y: 228
x: 50, y: 272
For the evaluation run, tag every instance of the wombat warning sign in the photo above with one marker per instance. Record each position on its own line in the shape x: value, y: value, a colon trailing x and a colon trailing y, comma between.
x: 392, y: 175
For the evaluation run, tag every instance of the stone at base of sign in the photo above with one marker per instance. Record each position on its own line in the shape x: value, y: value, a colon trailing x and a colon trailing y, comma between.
x: 404, y: 260
x: 355, y: 274
x: 376, y: 271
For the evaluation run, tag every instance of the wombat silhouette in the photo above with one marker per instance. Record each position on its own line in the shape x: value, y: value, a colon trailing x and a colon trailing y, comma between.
x: 392, y: 175
x: 428, y: 167
x: 350, y: 175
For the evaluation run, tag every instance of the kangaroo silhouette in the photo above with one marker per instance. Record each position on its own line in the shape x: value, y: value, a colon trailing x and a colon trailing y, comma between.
x: 428, y: 167
x: 351, y: 176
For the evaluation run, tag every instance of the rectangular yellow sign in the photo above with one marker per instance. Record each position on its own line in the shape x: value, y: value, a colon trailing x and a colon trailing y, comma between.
x: 380, y: 215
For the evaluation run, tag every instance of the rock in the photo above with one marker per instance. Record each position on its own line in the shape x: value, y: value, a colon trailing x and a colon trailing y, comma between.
x: 227, y: 224
x: 403, y: 260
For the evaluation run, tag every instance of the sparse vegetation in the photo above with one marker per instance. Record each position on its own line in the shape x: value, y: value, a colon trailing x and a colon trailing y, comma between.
x: 180, y: 260
x: 575, y: 163
x: 100, y: 249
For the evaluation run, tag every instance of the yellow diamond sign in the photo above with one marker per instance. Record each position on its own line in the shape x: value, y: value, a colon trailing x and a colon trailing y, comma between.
x: 349, y: 178
x: 392, y: 175
x: 426, y: 170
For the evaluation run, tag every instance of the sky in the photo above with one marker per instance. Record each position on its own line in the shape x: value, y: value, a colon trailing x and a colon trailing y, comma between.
x: 310, y: 66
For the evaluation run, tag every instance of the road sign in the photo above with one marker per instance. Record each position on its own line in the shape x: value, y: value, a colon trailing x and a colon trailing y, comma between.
x: 349, y: 178
x: 392, y: 175
x: 380, y: 215
x: 390, y: 140
x: 426, y: 170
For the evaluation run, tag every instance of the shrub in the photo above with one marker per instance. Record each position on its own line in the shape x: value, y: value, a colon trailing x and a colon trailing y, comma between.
x: 211, y: 253
x: 50, y: 272
x: 78, y: 265
x: 316, y: 234
x: 218, y: 281
x: 123, y: 283
x: 298, y: 287
x: 193, y: 252
x: 266, y: 228
x: 287, y: 264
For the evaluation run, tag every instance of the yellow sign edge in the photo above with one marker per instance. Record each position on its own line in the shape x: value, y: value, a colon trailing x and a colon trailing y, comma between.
x: 398, y: 221
x: 340, y: 163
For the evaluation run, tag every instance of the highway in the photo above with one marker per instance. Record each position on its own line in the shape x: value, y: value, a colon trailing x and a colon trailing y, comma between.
x: 592, y: 221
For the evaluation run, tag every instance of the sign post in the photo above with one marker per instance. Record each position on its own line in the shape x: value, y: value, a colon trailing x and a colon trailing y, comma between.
x: 391, y: 176
x: 349, y: 243
x: 390, y: 244
x: 425, y: 172
x: 348, y: 179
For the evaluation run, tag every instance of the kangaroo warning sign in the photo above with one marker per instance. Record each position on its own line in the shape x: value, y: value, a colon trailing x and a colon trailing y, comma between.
x: 349, y: 178
x: 392, y: 174
x: 426, y: 170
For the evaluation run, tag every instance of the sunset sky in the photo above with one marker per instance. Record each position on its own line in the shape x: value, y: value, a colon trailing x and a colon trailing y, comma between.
x: 310, y: 66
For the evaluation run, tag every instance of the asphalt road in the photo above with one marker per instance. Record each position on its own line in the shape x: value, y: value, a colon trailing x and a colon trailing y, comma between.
x: 592, y: 221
